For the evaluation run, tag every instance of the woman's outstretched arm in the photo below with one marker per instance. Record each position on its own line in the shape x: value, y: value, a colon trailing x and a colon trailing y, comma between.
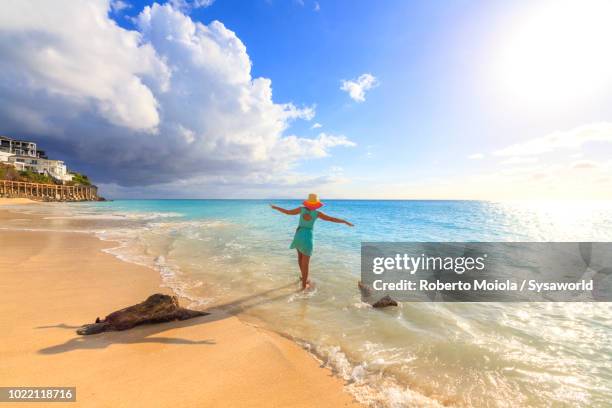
x: 332, y: 219
x: 295, y: 211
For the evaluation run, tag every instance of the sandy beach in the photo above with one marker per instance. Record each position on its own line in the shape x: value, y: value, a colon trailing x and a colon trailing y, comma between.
x: 53, y: 282
x: 15, y: 201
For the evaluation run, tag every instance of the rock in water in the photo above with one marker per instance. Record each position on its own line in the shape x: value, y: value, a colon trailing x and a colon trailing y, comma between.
x: 385, y: 302
x: 157, y: 308
x: 366, y: 295
x: 365, y: 290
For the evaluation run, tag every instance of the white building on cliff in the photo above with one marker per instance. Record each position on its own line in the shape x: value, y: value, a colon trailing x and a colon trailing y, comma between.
x: 24, y: 155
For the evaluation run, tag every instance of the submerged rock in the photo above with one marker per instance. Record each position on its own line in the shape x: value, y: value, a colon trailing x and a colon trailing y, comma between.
x: 385, y: 302
x: 157, y: 308
x: 366, y: 291
x: 366, y: 294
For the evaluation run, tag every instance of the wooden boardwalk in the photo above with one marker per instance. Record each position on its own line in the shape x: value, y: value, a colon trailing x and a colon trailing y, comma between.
x: 47, y: 192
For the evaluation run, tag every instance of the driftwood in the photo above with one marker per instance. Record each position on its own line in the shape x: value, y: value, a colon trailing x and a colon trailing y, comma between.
x: 366, y: 293
x: 157, y: 308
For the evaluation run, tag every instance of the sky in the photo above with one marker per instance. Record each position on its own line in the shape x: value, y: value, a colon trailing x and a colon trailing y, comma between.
x: 351, y: 99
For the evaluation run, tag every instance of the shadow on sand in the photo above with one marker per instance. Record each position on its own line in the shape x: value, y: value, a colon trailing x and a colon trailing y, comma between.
x: 147, y: 333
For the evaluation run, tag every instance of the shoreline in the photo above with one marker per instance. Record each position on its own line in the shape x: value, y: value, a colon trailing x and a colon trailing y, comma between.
x: 217, y: 359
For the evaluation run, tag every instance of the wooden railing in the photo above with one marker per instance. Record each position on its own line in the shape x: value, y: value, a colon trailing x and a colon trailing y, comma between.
x: 47, y: 192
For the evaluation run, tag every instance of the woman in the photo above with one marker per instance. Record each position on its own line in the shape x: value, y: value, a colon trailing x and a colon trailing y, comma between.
x: 303, y: 239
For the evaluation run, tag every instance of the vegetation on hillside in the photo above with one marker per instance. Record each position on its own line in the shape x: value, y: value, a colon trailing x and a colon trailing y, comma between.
x: 80, y: 179
x: 33, y: 177
x: 8, y: 172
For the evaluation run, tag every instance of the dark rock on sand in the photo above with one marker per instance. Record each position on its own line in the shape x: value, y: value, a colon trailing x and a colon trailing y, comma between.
x: 385, y: 302
x: 157, y: 308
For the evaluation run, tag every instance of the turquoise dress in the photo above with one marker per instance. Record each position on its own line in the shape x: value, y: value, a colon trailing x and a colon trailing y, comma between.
x: 303, y: 240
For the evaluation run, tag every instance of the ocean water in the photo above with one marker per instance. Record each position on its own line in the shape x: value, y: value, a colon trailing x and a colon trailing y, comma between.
x: 234, y: 254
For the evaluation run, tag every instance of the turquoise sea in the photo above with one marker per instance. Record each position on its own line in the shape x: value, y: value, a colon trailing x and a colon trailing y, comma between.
x: 234, y: 254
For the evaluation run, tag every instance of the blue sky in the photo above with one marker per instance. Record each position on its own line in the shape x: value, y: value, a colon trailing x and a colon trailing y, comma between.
x: 414, y: 49
x: 457, y: 83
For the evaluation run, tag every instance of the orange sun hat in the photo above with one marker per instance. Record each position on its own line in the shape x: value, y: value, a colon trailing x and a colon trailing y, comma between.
x: 312, y: 203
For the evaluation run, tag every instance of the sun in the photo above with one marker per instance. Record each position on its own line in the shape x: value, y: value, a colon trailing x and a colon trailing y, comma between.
x: 558, y: 52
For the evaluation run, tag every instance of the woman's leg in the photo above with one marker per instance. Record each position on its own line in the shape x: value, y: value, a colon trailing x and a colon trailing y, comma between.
x: 300, y: 255
x: 305, y: 269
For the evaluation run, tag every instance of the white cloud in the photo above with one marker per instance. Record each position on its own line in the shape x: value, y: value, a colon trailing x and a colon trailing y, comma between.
x: 173, y: 100
x: 186, y: 6
x: 203, y: 3
x: 519, y: 160
x: 536, y: 169
x: 119, y: 5
x: 260, y: 185
x: 568, y: 140
x: 357, y: 88
x: 50, y: 52
x: 476, y: 156
x: 295, y: 147
x: 585, y: 164
x: 317, y: 6
x: 316, y: 126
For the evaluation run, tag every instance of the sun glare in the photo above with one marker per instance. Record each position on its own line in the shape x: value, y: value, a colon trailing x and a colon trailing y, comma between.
x: 558, y: 53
